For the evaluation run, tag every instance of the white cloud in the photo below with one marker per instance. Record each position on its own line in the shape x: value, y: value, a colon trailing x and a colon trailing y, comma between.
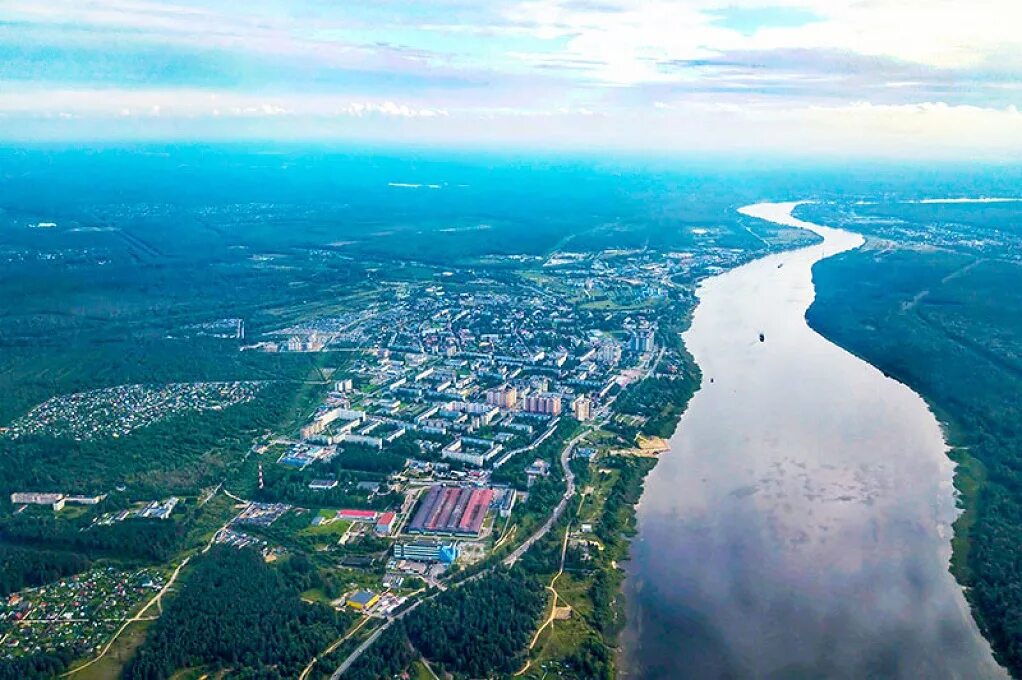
x: 623, y: 41
x: 845, y: 76
x: 190, y: 103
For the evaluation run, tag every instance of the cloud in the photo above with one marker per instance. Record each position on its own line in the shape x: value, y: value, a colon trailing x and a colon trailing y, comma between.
x: 186, y: 103
x: 622, y: 73
x: 624, y: 40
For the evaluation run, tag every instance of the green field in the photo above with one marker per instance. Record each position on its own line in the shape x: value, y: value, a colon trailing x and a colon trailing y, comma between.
x: 334, y: 529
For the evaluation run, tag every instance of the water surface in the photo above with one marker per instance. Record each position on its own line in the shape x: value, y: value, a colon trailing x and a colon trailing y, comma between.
x: 799, y: 527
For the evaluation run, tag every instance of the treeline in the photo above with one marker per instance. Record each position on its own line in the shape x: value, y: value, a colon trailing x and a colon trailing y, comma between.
x: 661, y: 400
x: 37, y: 666
x: 23, y: 567
x: 616, y: 524
x: 961, y: 348
x: 169, y: 456
x: 235, y: 611
x: 389, y: 655
x: 147, y: 539
x: 618, y: 516
x: 479, y: 629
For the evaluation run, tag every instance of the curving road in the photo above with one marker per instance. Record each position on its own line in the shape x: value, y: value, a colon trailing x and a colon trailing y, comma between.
x: 569, y: 492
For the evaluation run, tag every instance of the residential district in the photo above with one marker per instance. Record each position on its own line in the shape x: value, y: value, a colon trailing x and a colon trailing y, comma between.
x: 450, y: 403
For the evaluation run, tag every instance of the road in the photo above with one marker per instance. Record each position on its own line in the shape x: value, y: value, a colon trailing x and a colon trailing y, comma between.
x: 329, y: 650
x: 549, y: 621
x: 368, y: 642
x: 156, y: 599
x: 543, y: 437
x: 569, y: 492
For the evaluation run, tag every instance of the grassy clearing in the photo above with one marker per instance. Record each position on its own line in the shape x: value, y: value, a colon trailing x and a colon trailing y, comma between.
x: 335, y: 528
x: 111, y: 665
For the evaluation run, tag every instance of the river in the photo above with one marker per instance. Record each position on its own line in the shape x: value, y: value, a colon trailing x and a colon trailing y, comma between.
x: 800, y: 525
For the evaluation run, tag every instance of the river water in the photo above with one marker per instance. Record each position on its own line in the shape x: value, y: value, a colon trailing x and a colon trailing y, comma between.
x: 800, y: 525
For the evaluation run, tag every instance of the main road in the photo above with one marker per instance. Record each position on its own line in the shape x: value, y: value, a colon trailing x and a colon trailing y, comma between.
x: 514, y: 556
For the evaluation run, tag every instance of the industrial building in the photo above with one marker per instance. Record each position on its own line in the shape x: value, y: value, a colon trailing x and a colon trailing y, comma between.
x: 358, y: 515
x: 362, y: 600
x: 54, y: 500
x: 426, y: 551
x: 385, y: 523
x: 452, y: 510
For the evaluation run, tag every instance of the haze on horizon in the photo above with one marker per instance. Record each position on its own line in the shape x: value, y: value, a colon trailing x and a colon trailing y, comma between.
x: 886, y: 78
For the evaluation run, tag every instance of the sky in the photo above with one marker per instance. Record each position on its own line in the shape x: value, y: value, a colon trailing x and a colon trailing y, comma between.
x: 835, y: 78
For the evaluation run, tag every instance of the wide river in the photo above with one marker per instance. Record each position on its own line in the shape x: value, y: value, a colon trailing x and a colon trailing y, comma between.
x: 800, y: 525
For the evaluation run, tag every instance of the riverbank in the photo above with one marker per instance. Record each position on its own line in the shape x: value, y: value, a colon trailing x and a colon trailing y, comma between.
x: 804, y: 491
x: 974, y: 393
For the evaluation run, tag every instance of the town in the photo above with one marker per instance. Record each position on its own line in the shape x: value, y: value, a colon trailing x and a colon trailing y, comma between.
x: 455, y: 408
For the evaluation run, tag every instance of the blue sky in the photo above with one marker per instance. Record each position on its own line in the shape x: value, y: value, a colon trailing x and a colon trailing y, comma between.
x: 903, y: 78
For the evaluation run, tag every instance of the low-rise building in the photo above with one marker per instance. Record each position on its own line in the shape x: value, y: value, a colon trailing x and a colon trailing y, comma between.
x: 54, y: 500
x: 539, y: 468
x: 362, y: 600
x: 507, y: 503
x: 322, y: 484
x: 385, y: 523
x: 472, y: 450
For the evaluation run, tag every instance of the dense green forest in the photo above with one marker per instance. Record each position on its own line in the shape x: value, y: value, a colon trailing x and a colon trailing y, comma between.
x: 38, y: 666
x: 593, y: 659
x: 949, y: 325
x: 176, y: 455
x: 22, y: 566
x: 235, y: 611
x: 661, y: 400
x: 390, y: 655
x: 479, y: 629
x: 146, y: 539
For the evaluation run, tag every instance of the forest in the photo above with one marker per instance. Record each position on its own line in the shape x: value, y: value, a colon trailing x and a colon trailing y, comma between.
x: 235, y: 611
x: 39, y: 666
x: 23, y: 567
x: 390, y: 655
x: 478, y: 629
x: 661, y: 400
x: 134, y: 538
x: 481, y: 628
